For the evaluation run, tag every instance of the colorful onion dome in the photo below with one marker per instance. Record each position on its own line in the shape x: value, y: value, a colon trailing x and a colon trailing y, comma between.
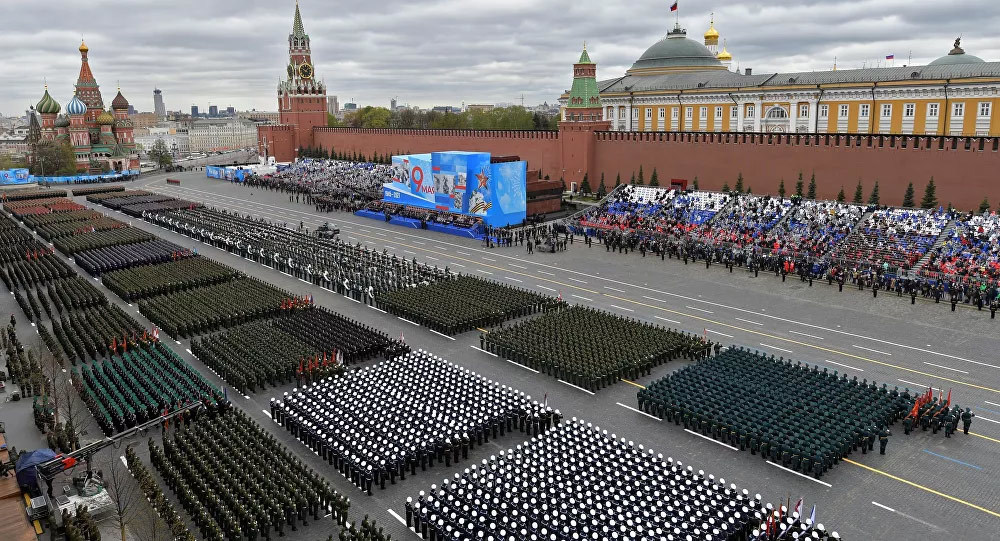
x: 76, y: 106
x: 62, y: 121
x: 47, y: 105
x: 119, y: 102
x: 105, y: 119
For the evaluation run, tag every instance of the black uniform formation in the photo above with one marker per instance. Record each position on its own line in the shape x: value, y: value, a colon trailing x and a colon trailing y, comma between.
x: 91, y: 240
x: 463, y: 303
x: 169, y: 277
x: 305, y: 345
x: 210, y: 308
x: 100, y: 260
x: 138, y: 384
x: 237, y: 482
x: 799, y: 417
x: 380, y: 423
x: 590, y: 348
x: 575, y: 482
x: 350, y: 270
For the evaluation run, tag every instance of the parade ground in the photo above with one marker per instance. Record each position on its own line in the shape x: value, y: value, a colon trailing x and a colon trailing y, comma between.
x: 925, y: 485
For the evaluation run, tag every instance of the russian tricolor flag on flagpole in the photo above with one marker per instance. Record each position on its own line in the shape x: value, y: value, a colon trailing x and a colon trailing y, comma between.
x: 890, y: 57
x: 673, y: 7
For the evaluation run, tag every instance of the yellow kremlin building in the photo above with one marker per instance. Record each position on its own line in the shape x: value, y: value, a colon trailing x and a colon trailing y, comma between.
x: 679, y: 84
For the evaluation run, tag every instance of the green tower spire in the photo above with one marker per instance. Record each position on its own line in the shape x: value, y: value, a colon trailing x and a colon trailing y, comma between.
x: 584, y: 94
x: 297, y: 29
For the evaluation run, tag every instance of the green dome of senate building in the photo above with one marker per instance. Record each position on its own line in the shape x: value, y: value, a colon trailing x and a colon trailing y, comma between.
x: 676, y: 51
x: 957, y: 56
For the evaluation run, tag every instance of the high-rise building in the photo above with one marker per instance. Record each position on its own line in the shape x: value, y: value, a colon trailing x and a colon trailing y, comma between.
x: 392, y: 104
x: 230, y: 111
x: 332, y: 105
x: 213, y: 110
x: 159, y: 109
x: 194, y: 110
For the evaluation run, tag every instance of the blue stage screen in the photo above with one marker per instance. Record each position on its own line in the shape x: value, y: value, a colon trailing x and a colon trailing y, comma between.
x: 462, y: 183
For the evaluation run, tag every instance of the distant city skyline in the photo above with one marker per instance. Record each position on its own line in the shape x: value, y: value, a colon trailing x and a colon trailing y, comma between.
x: 198, y: 53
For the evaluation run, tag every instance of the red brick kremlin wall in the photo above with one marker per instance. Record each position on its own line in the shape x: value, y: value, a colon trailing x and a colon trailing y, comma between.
x: 965, y: 169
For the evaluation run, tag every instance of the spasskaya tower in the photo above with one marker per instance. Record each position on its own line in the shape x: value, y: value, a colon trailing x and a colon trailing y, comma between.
x: 301, y: 100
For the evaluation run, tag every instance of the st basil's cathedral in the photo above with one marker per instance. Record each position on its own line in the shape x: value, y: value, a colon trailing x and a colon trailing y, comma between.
x: 101, y: 138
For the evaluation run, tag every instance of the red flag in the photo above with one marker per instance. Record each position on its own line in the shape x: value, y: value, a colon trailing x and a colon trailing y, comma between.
x: 300, y: 366
x: 949, y: 398
x: 114, y: 344
x: 673, y: 7
x: 125, y: 340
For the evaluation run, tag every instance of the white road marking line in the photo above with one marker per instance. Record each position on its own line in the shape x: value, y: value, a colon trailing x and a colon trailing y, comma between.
x: 710, y: 439
x: 246, y: 396
x: 945, y: 367
x: 615, y: 289
x: 748, y: 321
x: 775, y: 347
x: 800, y: 474
x: 189, y: 352
x: 521, y: 365
x: 844, y: 365
x: 719, y: 333
x: 352, y: 299
x: 639, y: 411
x: 920, y: 385
x: 390, y: 247
x: 178, y: 342
x: 699, y: 309
x: 484, y: 272
x: 575, y: 387
x: 545, y: 273
x: 420, y: 243
x: 489, y: 259
x: 582, y: 298
x: 991, y: 403
x: 453, y: 264
x: 484, y: 351
x: 461, y: 252
x: 441, y: 248
x: 886, y: 507
x: 377, y: 309
x: 653, y: 299
x: 668, y: 320
x: 397, y: 517
x: 578, y: 281
x: 441, y: 334
x: 809, y: 335
x: 431, y: 258
x: 621, y: 308
x: 514, y: 279
x: 987, y: 420
x: 304, y: 281
x: 408, y: 321
x: 545, y: 288
x: 267, y: 413
x: 517, y: 266
x: 871, y: 350
x: 410, y: 252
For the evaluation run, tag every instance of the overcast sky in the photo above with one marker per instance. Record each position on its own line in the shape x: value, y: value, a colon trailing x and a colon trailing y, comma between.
x: 431, y: 52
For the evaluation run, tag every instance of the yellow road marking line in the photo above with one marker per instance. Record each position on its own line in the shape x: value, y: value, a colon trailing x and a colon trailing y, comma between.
x: 482, y: 329
x: 633, y: 383
x: 926, y: 489
x: 984, y: 437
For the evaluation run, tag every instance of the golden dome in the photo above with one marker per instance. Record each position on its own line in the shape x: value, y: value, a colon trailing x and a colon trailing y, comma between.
x: 724, y: 56
x: 83, y: 47
x: 712, y: 35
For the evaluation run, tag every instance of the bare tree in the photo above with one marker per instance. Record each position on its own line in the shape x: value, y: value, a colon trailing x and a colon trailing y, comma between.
x: 124, y: 493
x: 148, y: 526
x: 74, y: 412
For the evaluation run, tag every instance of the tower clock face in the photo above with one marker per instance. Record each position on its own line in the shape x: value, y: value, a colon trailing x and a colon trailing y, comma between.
x: 305, y: 71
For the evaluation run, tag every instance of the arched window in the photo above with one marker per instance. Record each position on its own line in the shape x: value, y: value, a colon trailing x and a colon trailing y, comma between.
x: 776, y: 113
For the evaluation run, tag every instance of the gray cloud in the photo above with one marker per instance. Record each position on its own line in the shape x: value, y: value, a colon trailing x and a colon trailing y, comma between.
x: 232, y: 52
